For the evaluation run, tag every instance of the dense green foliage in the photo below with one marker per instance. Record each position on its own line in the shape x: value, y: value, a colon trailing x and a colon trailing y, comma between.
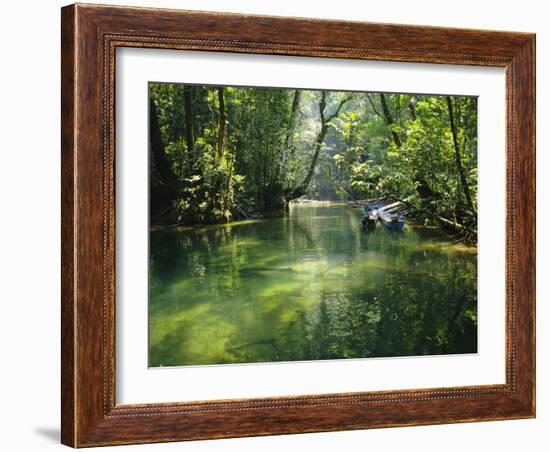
x: 223, y: 153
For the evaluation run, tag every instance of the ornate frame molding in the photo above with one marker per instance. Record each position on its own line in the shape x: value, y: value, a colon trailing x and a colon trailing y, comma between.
x: 90, y: 36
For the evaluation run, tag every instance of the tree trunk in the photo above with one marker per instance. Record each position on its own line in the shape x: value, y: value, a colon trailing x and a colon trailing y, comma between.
x: 412, y: 109
x: 162, y: 164
x: 318, y: 145
x: 274, y: 193
x: 458, y: 160
x: 189, y: 124
x: 166, y: 190
x: 389, y: 120
x: 221, y: 124
x: 289, y: 141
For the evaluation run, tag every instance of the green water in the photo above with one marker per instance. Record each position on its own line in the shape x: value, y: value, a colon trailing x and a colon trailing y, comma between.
x: 311, y: 285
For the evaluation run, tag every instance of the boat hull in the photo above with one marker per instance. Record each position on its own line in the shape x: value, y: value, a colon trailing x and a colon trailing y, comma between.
x: 391, y: 223
x: 376, y: 212
x: 371, y: 216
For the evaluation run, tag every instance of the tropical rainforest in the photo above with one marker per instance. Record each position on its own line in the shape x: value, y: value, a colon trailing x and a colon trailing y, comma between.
x: 258, y: 250
x: 224, y: 153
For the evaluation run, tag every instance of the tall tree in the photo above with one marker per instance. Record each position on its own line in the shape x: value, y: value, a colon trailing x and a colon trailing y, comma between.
x: 166, y: 188
x: 389, y: 120
x: 422, y: 186
x: 189, y: 123
x: 458, y: 159
x: 162, y: 165
x: 301, y: 189
x: 288, y: 146
x: 221, y: 122
x: 412, y: 108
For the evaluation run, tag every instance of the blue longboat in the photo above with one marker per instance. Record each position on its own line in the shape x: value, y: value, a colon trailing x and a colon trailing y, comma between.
x: 370, y: 215
x: 392, y: 221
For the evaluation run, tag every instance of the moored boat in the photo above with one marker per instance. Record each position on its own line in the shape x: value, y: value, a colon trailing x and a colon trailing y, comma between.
x: 370, y: 215
x: 392, y: 221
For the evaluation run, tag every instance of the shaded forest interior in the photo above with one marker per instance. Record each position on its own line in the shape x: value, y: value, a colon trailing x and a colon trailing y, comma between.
x: 223, y: 153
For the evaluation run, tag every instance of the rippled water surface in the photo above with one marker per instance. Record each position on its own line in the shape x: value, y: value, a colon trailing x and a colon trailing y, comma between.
x: 311, y: 285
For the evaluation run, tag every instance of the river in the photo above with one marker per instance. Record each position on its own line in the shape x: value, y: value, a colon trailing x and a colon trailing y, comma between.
x: 310, y: 285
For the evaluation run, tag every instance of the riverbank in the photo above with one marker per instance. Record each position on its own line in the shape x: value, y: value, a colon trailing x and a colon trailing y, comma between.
x: 413, y: 221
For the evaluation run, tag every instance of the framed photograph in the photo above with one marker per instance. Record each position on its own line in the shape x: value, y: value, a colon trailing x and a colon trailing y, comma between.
x: 281, y: 225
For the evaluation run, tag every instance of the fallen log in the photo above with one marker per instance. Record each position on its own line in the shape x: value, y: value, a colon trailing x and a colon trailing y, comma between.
x: 455, y: 225
x: 390, y: 207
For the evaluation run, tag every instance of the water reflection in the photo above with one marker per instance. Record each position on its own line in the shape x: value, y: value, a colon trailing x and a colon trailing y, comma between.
x: 312, y: 285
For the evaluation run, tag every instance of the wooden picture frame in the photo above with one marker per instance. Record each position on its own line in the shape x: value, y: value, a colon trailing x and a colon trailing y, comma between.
x: 90, y: 36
